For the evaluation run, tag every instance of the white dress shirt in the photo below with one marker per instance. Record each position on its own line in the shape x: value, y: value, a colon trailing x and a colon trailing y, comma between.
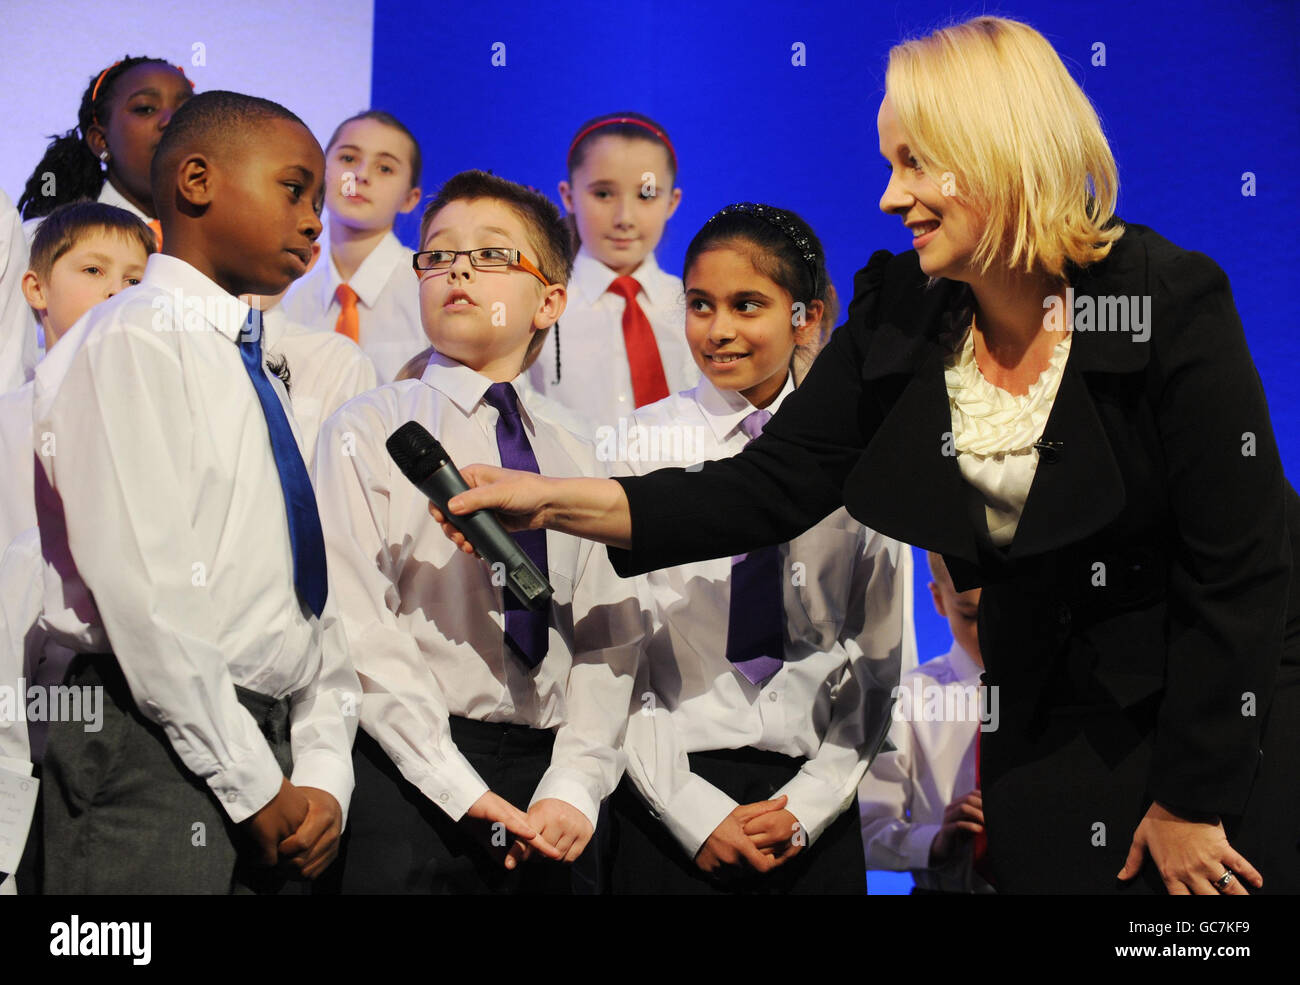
x: 17, y: 337
x: 168, y: 513
x: 388, y: 304
x: 425, y: 622
x: 326, y: 370
x: 17, y: 503
x: 848, y: 622
x: 595, y: 380
x: 20, y: 607
x: 924, y: 768
x: 20, y: 603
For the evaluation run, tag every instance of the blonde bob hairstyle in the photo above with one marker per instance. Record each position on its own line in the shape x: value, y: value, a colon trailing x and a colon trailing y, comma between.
x: 989, y: 106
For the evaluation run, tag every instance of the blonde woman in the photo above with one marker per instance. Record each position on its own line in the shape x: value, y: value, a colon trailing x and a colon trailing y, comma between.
x: 1105, y: 469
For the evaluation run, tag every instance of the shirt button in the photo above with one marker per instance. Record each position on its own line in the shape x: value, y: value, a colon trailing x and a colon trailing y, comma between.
x: 231, y: 797
x: 444, y: 797
x: 771, y: 696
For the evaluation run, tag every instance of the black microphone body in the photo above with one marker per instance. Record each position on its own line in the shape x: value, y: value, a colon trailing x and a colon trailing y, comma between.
x: 426, y: 463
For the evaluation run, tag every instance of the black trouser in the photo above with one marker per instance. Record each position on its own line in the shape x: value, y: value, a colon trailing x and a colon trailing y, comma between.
x: 646, y: 858
x: 398, y: 841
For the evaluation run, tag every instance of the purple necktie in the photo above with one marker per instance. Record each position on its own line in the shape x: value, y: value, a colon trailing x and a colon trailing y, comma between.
x: 756, y: 621
x: 526, y: 631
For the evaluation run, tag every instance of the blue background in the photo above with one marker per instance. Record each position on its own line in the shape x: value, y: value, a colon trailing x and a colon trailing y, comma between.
x: 1192, y: 95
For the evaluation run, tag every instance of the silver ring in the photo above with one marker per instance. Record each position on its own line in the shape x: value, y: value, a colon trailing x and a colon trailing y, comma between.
x: 1224, y: 881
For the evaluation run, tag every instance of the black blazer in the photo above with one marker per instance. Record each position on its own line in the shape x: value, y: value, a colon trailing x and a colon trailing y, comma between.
x: 1151, y: 561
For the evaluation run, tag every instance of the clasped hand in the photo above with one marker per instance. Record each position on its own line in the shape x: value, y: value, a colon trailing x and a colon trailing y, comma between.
x: 755, y: 837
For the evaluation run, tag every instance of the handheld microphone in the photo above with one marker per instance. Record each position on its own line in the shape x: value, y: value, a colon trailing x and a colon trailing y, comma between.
x: 426, y: 463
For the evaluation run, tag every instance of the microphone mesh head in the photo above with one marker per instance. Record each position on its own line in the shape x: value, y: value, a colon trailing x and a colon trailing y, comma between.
x: 417, y: 453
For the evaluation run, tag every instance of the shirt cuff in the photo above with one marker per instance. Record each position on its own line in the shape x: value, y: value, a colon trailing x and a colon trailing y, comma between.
x: 22, y: 767
x: 248, y: 785
x: 327, y: 772
x: 813, y: 804
x: 453, y: 787
x: 695, y: 813
x: 571, y: 786
x: 916, y: 845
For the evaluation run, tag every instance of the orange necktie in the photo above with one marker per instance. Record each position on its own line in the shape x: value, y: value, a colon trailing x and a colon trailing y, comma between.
x: 349, y: 323
x: 156, y: 226
x: 648, y: 381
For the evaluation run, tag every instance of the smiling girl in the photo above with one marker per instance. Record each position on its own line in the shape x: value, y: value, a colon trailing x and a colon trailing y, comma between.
x: 746, y: 744
x: 622, y: 342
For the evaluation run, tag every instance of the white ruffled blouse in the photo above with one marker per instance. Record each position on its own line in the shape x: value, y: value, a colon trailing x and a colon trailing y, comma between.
x: 994, y: 432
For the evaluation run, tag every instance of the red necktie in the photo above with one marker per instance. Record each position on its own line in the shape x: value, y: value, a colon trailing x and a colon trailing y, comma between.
x: 349, y: 322
x: 980, y: 846
x: 156, y: 226
x: 648, y: 381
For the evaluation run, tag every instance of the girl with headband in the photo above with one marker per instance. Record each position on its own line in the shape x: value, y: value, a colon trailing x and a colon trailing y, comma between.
x: 745, y: 747
x: 621, y: 346
x: 1118, y: 494
x: 106, y: 156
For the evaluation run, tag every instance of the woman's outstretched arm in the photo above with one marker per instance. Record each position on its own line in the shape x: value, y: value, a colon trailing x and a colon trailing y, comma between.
x: 595, y: 509
x: 784, y: 482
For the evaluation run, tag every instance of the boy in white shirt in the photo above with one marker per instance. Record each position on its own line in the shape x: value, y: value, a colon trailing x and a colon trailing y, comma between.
x: 367, y: 291
x: 481, y: 724
x: 17, y: 339
x: 920, y: 801
x: 83, y: 253
x: 178, y: 519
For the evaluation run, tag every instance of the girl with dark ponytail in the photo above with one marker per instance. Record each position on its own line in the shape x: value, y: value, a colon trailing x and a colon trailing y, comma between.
x: 106, y: 156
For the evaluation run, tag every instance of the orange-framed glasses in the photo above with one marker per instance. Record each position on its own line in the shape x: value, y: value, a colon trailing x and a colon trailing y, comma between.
x: 485, y: 258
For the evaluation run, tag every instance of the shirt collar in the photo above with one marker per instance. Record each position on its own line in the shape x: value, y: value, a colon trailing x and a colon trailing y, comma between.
x: 725, y: 409
x: 963, y: 664
x: 373, y: 274
x: 108, y: 195
x: 465, y: 388
x: 193, y: 292
x: 592, y: 278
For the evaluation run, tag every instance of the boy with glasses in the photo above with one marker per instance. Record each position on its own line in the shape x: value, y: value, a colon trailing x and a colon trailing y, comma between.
x: 489, y: 733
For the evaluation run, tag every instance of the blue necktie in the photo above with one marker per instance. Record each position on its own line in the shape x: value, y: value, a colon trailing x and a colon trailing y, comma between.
x: 756, y: 619
x: 299, y: 500
x: 526, y: 631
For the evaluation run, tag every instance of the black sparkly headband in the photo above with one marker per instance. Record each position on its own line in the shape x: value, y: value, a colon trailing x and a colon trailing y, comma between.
x: 781, y: 220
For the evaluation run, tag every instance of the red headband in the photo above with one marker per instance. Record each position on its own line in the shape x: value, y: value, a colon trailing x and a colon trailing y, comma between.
x: 612, y: 121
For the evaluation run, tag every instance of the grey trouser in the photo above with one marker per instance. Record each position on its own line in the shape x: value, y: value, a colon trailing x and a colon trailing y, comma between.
x: 122, y: 814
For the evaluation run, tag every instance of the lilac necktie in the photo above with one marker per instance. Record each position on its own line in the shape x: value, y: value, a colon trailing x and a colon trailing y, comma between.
x: 526, y: 631
x: 756, y: 621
